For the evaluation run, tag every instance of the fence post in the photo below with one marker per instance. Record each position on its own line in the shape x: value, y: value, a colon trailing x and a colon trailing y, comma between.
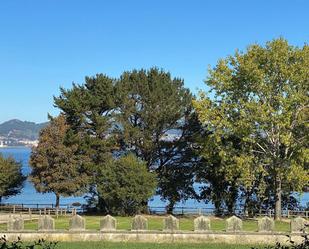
x: 30, y: 214
x: 13, y: 209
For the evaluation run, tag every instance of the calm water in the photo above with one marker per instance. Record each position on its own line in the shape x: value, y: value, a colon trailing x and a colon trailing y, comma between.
x: 30, y: 196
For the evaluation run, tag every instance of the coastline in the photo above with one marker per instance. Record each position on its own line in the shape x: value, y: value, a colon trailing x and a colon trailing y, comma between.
x: 16, y: 147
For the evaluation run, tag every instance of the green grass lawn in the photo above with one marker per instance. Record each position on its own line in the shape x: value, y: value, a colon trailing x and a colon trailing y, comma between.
x: 154, y: 223
x: 99, y: 245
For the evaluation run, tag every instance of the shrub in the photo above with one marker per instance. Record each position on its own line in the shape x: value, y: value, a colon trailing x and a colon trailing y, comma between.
x: 124, y: 184
x: 18, y: 244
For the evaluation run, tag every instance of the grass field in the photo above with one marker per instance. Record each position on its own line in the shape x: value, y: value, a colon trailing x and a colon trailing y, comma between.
x: 154, y: 223
x: 99, y: 245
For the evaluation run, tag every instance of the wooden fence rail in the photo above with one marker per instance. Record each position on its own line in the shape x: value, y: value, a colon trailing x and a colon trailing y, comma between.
x: 37, y: 209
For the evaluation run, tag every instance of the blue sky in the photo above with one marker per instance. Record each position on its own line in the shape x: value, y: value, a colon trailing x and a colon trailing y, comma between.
x: 46, y: 44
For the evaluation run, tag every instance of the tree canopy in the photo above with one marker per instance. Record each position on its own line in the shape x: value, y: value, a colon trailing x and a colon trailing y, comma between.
x: 124, y: 184
x: 11, y: 177
x: 257, y: 113
x: 144, y: 112
x: 57, y: 166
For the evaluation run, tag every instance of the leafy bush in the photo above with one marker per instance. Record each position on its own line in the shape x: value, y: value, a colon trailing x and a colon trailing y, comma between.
x: 40, y: 244
x: 124, y: 184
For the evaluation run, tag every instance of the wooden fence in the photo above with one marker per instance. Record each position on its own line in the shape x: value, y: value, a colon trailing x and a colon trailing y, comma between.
x: 36, y: 209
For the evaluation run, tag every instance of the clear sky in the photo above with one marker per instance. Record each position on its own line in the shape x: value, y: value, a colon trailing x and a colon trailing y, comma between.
x: 45, y: 44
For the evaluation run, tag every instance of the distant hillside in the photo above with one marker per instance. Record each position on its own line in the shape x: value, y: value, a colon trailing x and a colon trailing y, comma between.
x: 21, y: 129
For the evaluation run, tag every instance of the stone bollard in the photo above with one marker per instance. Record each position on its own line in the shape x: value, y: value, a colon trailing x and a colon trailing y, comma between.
x: 171, y: 223
x: 108, y: 223
x: 139, y: 222
x: 15, y: 223
x: 233, y: 224
x: 77, y: 223
x: 46, y: 223
x: 201, y: 223
x: 297, y: 225
x: 266, y: 224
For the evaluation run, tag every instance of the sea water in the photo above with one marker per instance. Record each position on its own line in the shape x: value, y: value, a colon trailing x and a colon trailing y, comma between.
x: 29, y: 195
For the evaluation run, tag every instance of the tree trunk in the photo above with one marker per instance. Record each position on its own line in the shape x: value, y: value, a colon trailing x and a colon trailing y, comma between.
x: 218, y: 208
x: 170, y: 207
x: 57, y: 200
x: 278, y: 199
x: 0, y: 199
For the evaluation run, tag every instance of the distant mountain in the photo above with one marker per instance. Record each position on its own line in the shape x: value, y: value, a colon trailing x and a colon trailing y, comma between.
x: 17, y: 129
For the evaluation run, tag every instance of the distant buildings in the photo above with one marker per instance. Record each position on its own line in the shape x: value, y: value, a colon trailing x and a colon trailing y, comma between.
x: 8, y: 142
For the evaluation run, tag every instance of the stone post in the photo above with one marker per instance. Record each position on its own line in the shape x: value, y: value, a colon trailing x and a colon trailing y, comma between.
x: 46, y: 223
x: 139, y: 223
x: 201, y: 223
x: 297, y: 225
x: 233, y: 224
x: 77, y: 223
x: 266, y: 224
x: 108, y: 223
x: 171, y: 223
x: 15, y: 224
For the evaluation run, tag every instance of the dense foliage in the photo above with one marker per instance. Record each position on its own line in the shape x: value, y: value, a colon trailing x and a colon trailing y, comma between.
x: 11, y: 177
x: 123, y: 184
x: 57, y: 166
x: 257, y: 113
x: 156, y: 122
x: 146, y: 113
x: 19, y: 244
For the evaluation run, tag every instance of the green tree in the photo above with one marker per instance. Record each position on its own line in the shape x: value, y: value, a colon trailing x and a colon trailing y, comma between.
x: 57, y: 166
x: 89, y: 110
x: 124, y: 184
x: 136, y: 113
x: 261, y: 97
x: 11, y: 177
x: 155, y: 123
